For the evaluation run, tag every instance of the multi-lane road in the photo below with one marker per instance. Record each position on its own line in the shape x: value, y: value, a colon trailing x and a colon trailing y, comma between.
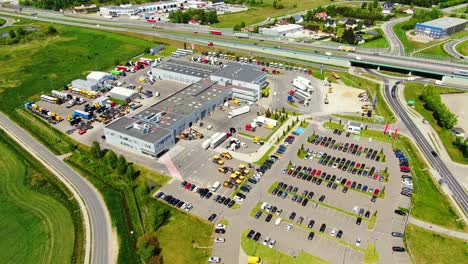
x: 396, y: 47
x: 97, y: 220
x: 450, y: 47
x: 457, y: 190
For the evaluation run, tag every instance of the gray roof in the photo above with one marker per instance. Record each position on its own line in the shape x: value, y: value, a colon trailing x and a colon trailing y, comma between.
x: 444, y: 22
x: 241, y: 72
x: 128, y: 126
x: 188, y: 68
x: 355, y: 124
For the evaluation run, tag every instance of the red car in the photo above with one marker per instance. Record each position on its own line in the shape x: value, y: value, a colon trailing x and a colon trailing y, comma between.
x: 82, y: 131
x: 358, y: 165
x: 187, y: 185
x: 376, y: 176
x: 348, y: 183
x: 318, y: 173
x: 376, y: 192
x: 313, y: 172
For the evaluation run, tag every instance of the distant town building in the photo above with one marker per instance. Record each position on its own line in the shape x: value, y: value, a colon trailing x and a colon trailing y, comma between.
x: 354, y: 127
x: 342, y: 20
x: 351, y: 23
x: 85, y: 8
x: 330, y: 23
x: 441, y: 27
x: 409, y: 11
x: 194, y: 22
x: 298, y: 19
x: 458, y: 132
x: 281, y: 30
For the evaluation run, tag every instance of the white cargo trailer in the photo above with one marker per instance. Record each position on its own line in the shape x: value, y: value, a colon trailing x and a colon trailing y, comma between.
x: 218, y: 140
x: 239, y: 111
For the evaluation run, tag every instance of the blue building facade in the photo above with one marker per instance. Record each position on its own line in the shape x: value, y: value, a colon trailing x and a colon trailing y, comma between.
x: 441, y: 27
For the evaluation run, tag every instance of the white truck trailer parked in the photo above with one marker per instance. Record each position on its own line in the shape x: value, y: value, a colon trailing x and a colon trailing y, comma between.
x: 206, y: 143
x: 239, y: 111
x: 266, y: 121
x: 303, y: 84
x: 241, y: 35
x: 301, y: 95
x: 219, y: 139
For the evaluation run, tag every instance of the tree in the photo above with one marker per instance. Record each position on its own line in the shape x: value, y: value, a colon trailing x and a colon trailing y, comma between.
x: 130, y: 172
x: 12, y: 34
x: 242, y: 24
x: 291, y: 20
x: 236, y: 28
x: 348, y: 36
x: 121, y: 165
x: 111, y: 159
x: 364, y: 5
x: 21, y: 31
x: 161, y: 215
x: 375, y: 3
x: 96, y: 150
x: 51, y: 30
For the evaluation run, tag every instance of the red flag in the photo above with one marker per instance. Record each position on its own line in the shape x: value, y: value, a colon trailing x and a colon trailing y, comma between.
x: 395, y: 133
x: 385, y: 129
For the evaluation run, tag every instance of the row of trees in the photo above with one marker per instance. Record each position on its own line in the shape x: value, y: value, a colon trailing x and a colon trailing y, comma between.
x: 369, y: 13
x: 433, y: 102
x: 183, y: 17
x: 248, y: 2
x: 348, y: 37
x: 24, y: 36
x: 462, y: 145
x: 420, y: 16
x: 429, y: 3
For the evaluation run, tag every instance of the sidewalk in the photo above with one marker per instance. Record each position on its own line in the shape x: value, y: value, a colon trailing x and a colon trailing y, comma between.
x: 438, y: 229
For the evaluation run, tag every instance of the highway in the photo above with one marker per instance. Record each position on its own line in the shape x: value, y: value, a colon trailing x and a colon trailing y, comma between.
x: 95, y: 215
x: 396, y: 47
x: 457, y: 190
x: 450, y: 47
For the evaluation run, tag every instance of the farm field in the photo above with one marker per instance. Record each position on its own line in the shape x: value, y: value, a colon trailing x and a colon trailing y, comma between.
x: 35, y: 228
x: 260, y: 13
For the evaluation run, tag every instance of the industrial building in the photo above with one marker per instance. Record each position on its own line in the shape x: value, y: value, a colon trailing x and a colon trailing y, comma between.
x: 124, y: 94
x: 85, y: 85
x: 131, y: 10
x: 154, y: 130
x: 182, y: 71
x: 98, y: 77
x: 280, y: 31
x: 441, y: 27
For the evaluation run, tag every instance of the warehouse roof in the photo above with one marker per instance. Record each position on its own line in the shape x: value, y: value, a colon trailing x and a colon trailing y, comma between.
x: 191, y: 98
x: 285, y: 28
x: 122, y: 91
x: 141, y: 130
x: 96, y: 75
x: 444, y: 22
x: 188, y: 68
x: 241, y: 72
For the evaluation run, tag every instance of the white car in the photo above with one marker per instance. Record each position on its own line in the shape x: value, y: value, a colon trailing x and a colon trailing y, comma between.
x: 214, y: 260
x: 266, y: 241
x: 289, y: 228
x: 333, y: 232
x: 358, y: 58
x: 278, y: 221
x: 272, y: 243
x: 355, y: 209
x: 358, y: 242
x: 220, y: 226
x: 220, y: 240
x: 328, y: 53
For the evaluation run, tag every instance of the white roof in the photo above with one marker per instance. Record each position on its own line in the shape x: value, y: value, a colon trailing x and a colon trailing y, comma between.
x: 287, y: 27
x: 122, y: 91
x: 96, y: 75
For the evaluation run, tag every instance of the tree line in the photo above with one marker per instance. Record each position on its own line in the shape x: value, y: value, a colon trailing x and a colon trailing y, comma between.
x: 370, y: 12
x: 420, y: 16
x: 24, y: 36
x: 183, y: 17
x: 433, y: 102
x: 429, y: 3
x: 60, y: 4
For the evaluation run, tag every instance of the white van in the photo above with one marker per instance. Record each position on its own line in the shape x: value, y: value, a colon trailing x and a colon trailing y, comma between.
x: 215, y: 186
x: 278, y: 221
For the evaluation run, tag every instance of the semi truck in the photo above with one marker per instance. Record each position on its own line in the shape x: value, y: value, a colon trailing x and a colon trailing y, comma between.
x: 302, y: 96
x: 303, y: 84
x: 206, y: 143
x: 241, y: 35
x: 219, y: 139
x: 215, y: 32
x: 266, y: 121
x: 60, y: 95
x: 347, y: 48
x: 50, y: 99
x: 82, y: 114
x: 239, y: 111
x: 122, y: 68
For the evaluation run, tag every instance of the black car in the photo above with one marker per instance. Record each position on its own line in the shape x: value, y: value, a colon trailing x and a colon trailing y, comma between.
x: 345, y: 190
x: 398, y: 249
x: 212, y: 217
x: 339, y: 234
x: 311, y: 236
x: 182, y: 184
x: 208, y: 195
x: 241, y: 195
x: 221, y: 200
x: 311, y: 224
x: 231, y: 203
x: 310, y: 195
x: 257, y: 236
x: 227, y: 201
x: 322, y: 228
x: 407, y: 194
x: 373, y: 199
x: 334, y: 186
x: 358, y: 221
x: 400, y: 212
x: 220, y: 231
x: 159, y: 195
x: 274, y: 192
x: 179, y: 204
x: 292, y: 216
x: 305, y: 201
x: 258, y: 214
x: 397, y: 234
x: 251, y: 234
x: 367, y: 215
x: 329, y: 184
x: 319, y: 181
x: 322, y: 198
x: 217, y: 197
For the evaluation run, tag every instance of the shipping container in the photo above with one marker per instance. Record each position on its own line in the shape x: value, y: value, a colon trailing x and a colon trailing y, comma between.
x: 219, y: 139
x: 82, y: 114
x: 206, y: 143
x: 239, y: 111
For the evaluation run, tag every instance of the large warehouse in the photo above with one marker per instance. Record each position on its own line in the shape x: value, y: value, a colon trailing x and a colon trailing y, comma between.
x: 153, y: 131
x: 441, y: 27
x: 282, y: 30
x: 131, y: 10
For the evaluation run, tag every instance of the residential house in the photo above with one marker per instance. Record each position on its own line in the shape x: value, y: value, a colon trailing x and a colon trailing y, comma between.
x: 321, y: 15
x: 85, y: 8
x: 330, y: 23
x: 342, y: 20
x: 194, y: 22
x: 386, y: 11
x: 359, y: 39
x: 248, y: 29
x: 298, y: 19
x: 351, y: 23
x: 409, y: 11
x: 387, y: 5
x: 458, y: 132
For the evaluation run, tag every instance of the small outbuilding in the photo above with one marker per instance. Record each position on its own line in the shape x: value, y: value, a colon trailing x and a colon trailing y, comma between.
x: 98, y: 77
x: 458, y: 132
x: 123, y: 94
x: 84, y: 85
x: 101, y: 100
x: 354, y: 127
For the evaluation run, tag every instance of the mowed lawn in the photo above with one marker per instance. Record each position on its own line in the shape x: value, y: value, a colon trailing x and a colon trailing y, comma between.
x: 258, y: 14
x: 185, y: 238
x: 43, y: 65
x: 463, y: 48
x: 34, y: 228
x: 428, y: 247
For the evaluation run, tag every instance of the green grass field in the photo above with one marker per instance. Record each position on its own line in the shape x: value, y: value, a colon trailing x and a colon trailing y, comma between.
x: 185, y: 238
x: 428, y: 247
x: 2, y: 22
x: 260, y: 13
x: 35, y: 228
x: 269, y: 255
x: 412, y: 92
x: 463, y: 48
x: 377, y: 43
